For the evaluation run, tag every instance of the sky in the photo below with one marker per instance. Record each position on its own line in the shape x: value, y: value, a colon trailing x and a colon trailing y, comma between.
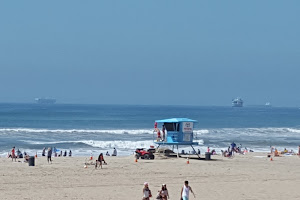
x: 169, y: 52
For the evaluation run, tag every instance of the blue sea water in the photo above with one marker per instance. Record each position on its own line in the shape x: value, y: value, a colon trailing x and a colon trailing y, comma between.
x: 87, y: 129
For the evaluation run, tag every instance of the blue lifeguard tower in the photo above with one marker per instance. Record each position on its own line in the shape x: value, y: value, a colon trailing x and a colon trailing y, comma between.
x: 176, y: 132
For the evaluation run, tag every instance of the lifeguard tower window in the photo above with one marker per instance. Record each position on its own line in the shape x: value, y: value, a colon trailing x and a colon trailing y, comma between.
x: 172, y: 126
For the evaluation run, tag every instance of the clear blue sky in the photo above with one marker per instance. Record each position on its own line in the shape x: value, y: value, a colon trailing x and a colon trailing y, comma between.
x: 150, y: 52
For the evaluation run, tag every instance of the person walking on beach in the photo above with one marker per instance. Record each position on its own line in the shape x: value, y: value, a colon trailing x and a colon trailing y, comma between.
x: 13, y: 154
x: 49, y: 154
x: 185, y: 190
x: 164, y: 195
x: 146, y: 192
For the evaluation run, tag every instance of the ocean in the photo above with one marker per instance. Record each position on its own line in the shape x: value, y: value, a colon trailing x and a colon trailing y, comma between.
x: 94, y: 129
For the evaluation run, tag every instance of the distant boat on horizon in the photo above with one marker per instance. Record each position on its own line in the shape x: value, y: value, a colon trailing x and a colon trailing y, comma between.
x: 45, y: 100
x: 268, y: 104
x: 237, y: 102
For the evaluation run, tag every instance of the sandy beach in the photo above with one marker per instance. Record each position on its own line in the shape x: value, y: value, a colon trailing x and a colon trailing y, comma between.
x: 251, y: 176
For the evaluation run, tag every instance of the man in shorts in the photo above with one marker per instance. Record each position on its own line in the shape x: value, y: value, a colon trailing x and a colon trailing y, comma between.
x: 185, y: 191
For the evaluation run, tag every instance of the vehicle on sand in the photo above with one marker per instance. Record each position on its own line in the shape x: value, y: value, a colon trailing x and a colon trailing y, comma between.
x: 144, y: 153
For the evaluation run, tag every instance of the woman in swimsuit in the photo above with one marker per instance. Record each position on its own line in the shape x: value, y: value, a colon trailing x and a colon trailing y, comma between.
x: 164, y: 192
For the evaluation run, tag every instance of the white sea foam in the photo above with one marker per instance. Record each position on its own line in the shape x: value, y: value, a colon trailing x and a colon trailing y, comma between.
x: 201, y: 131
x: 75, y: 131
x: 102, y: 131
x: 293, y: 130
x: 100, y: 144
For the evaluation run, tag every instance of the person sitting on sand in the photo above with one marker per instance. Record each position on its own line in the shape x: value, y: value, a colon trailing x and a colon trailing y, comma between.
x: 276, y: 152
x: 146, y: 192
x: 285, y: 150
x: 164, y: 195
x: 26, y: 158
x: 65, y: 153
x: 213, y: 152
x: 107, y: 154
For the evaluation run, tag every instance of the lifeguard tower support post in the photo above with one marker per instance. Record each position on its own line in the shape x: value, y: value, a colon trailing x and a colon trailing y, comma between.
x: 178, y: 132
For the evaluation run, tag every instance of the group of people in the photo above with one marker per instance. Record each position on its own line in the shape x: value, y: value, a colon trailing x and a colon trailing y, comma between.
x: 55, y: 152
x: 159, y: 136
x: 18, y: 154
x: 163, y: 193
x: 100, y: 161
x: 233, y: 148
x: 191, y: 152
x: 275, y: 152
x: 50, y: 152
x: 113, y: 154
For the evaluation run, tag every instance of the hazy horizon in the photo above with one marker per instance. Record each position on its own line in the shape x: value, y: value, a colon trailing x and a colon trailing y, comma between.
x: 150, y: 53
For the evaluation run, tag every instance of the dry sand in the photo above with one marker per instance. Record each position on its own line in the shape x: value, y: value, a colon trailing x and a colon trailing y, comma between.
x: 251, y: 176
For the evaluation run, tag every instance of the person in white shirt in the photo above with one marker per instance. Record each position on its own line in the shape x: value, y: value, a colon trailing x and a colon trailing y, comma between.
x: 185, y: 190
x: 146, y: 192
x: 114, y: 152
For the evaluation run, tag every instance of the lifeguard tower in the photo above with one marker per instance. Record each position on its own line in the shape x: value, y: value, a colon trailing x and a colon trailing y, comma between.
x: 176, y: 132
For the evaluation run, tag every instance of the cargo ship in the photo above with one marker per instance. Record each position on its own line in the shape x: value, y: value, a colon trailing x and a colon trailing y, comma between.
x: 237, y: 102
x: 45, y: 101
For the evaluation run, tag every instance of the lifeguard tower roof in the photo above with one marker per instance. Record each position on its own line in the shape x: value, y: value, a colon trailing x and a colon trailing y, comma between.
x: 175, y: 120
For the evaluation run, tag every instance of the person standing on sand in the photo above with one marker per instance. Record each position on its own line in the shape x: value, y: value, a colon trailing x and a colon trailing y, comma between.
x: 49, y: 154
x: 13, y: 155
x: 185, y: 190
x: 299, y: 151
x: 44, y: 151
x: 114, y: 152
x: 146, y: 192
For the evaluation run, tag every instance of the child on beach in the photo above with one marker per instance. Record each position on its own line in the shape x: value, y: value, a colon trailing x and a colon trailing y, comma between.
x: 185, y: 190
x: 146, y: 192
